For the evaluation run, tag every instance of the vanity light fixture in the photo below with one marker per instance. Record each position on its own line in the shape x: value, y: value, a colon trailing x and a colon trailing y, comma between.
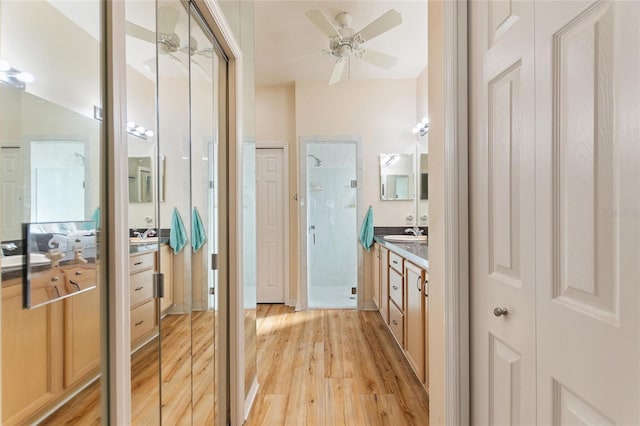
x: 14, y: 77
x: 422, y: 128
x: 139, y: 131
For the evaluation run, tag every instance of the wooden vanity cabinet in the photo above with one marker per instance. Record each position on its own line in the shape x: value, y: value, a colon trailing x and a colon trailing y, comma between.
x: 49, y: 351
x: 384, y: 283
x: 165, y: 266
x: 376, y: 275
x: 143, y: 311
x: 414, y: 317
x: 403, y: 304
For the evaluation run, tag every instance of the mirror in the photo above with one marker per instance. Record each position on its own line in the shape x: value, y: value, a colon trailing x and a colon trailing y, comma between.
x: 140, y: 180
x: 397, y: 177
x: 422, y: 167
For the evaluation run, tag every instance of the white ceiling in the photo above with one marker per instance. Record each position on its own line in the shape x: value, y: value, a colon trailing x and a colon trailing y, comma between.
x: 288, y: 45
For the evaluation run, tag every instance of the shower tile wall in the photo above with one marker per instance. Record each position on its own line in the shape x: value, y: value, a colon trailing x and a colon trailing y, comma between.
x: 332, y: 254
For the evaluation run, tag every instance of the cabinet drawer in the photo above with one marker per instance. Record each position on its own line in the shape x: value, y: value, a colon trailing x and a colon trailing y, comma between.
x: 396, y: 323
x: 142, y: 320
x: 396, y: 288
x: 395, y: 261
x: 140, y: 262
x: 141, y: 287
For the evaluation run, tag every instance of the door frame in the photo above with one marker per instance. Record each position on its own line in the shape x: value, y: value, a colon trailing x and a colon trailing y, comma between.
x: 456, y: 207
x: 302, y: 303
x: 285, y: 162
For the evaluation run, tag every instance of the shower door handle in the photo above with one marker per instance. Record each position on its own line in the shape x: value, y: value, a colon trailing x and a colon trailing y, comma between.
x: 312, y: 228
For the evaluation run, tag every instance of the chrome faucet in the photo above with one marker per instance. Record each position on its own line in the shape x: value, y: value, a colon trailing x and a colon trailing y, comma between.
x: 143, y: 235
x: 416, y: 231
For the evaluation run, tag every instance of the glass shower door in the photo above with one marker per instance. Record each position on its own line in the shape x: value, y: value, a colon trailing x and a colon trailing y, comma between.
x: 331, y: 195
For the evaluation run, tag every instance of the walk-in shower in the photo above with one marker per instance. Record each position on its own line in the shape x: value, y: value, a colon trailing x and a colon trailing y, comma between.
x: 331, y: 194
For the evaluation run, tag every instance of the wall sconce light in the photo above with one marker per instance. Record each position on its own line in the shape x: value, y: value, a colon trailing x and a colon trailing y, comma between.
x: 422, y: 128
x: 139, y: 131
x: 13, y: 77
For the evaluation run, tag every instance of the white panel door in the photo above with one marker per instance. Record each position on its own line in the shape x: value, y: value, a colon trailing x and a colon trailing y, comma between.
x: 503, y: 350
x: 12, y: 193
x: 270, y: 174
x: 588, y: 212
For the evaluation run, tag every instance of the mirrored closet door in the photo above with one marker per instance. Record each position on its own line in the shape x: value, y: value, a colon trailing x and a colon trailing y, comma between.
x: 175, y: 358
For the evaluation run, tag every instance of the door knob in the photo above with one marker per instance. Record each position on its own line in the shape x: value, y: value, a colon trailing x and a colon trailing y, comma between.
x: 500, y: 312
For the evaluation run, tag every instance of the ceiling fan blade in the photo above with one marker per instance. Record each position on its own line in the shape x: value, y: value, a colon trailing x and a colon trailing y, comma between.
x: 135, y: 30
x: 338, y: 68
x: 384, y: 23
x: 323, y: 23
x: 167, y: 20
x: 378, y: 59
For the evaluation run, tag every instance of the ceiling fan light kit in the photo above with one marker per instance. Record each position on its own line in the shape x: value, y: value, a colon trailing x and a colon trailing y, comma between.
x: 344, y: 42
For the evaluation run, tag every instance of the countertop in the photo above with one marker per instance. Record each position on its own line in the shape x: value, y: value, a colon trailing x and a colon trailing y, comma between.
x: 143, y: 248
x: 417, y: 253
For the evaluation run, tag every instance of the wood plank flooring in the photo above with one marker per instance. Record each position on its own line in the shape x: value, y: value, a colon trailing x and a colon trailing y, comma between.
x: 332, y: 367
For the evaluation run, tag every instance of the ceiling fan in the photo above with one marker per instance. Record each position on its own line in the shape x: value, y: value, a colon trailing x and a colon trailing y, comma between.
x: 344, y: 41
x: 168, y: 41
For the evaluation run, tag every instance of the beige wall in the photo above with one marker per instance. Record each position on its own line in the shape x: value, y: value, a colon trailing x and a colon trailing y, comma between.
x: 275, y: 122
x: 436, y: 216
x: 381, y: 112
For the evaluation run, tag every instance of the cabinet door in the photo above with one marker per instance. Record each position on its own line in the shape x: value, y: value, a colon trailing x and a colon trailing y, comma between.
x: 425, y: 291
x: 81, y: 336
x: 376, y: 275
x: 384, y: 283
x: 165, y: 267
x: 414, y: 323
x: 32, y: 356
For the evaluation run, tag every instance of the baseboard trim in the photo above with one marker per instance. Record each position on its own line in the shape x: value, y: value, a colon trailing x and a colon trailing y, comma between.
x: 370, y: 305
x: 291, y: 302
x: 251, y: 398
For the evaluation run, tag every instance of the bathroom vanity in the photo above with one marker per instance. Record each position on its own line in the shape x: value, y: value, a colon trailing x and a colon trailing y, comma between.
x: 401, y: 295
x: 144, y: 261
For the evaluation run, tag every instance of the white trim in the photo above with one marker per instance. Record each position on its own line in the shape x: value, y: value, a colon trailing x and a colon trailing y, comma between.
x: 303, y: 294
x: 287, y: 254
x: 456, y: 214
x: 116, y: 226
x: 251, y: 397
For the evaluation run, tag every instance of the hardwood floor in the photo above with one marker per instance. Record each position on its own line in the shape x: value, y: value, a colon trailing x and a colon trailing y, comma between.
x: 332, y: 367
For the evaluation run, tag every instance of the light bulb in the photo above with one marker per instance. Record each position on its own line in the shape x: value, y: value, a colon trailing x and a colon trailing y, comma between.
x: 140, y: 129
x: 149, y: 133
x: 425, y: 120
x: 414, y: 130
x: 131, y: 125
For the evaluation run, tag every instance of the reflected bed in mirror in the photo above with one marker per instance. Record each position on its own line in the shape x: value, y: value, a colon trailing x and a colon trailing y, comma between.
x: 397, y: 177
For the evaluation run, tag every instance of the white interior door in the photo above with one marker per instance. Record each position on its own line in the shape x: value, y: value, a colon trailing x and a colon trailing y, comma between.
x: 588, y: 212
x: 555, y: 212
x: 502, y: 213
x: 270, y: 174
x: 12, y: 192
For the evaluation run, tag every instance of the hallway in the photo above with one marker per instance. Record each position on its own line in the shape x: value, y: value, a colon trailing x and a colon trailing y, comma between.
x: 332, y: 367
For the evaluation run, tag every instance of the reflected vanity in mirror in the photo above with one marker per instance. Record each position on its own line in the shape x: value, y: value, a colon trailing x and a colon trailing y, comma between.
x: 397, y: 177
x: 60, y: 261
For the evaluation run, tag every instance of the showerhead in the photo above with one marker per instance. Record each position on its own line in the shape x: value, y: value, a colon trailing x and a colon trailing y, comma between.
x: 318, y: 162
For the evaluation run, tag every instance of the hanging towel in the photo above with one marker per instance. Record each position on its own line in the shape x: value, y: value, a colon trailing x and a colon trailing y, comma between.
x: 177, y: 234
x: 96, y: 217
x: 198, y: 237
x: 366, y: 232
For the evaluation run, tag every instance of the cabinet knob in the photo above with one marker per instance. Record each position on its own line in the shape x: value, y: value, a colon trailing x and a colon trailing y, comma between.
x: 138, y: 288
x: 418, y: 284
x: 395, y: 287
x: 499, y: 312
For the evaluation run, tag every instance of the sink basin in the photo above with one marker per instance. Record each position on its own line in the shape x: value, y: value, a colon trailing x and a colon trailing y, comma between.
x: 148, y: 240
x: 406, y: 238
x: 18, y: 260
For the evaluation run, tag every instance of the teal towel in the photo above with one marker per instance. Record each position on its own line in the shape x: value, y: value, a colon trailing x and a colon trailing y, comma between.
x: 96, y: 217
x: 177, y: 234
x: 366, y: 232
x: 198, y: 236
